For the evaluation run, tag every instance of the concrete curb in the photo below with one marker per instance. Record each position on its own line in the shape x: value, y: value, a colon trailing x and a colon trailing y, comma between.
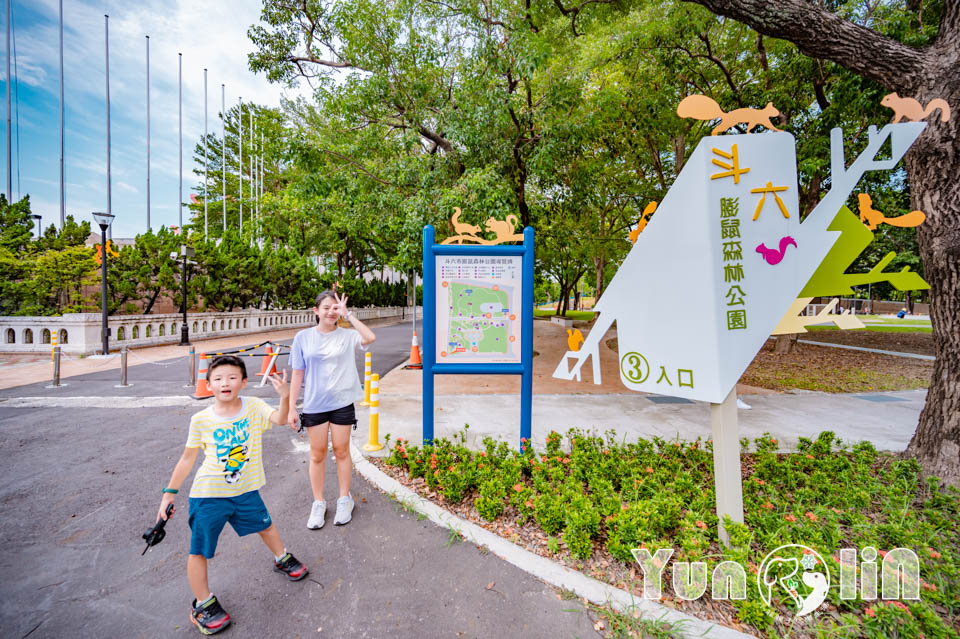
x: 544, y: 569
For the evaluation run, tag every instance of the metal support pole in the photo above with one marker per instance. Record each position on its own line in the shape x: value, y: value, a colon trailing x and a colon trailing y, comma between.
x: 104, y: 329
x: 184, y: 329
x: 56, y: 365
x: 192, y: 379
x: 726, y: 462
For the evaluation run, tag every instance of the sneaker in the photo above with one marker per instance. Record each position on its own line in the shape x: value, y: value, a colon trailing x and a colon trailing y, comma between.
x: 293, y: 569
x: 210, y: 617
x: 344, y: 511
x: 317, y: 514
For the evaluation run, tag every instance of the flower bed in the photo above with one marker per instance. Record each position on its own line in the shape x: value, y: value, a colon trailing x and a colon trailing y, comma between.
x: 588, y: 500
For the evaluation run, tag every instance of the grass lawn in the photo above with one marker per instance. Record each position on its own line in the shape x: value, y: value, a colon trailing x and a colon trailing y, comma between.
x: 587, y: 501
x: 574, y: 315
x: 881, y: 328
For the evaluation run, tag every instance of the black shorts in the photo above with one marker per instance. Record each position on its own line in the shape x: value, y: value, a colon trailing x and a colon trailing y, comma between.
x: 345, y: 416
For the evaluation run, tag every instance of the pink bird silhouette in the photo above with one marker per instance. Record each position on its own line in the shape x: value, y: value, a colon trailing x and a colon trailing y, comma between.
x: 773, y: 256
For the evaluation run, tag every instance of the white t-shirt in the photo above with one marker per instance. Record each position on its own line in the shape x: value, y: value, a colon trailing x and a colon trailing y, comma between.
x: 331, y: 380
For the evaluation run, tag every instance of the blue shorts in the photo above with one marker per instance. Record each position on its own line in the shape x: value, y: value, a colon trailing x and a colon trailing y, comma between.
x: 208, y: 515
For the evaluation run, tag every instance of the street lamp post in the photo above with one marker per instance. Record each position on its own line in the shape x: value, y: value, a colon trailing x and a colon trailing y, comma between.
x: 104, y: 220
x: 185, y: 252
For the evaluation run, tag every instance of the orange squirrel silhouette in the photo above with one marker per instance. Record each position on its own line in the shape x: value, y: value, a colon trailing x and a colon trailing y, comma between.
x: 461, y: 228
x: 873, y: 218
x: 110, y: 251
x: 912, y: 110
x: 574, y: 339
x: 642, y: 222
x: 700, y: 107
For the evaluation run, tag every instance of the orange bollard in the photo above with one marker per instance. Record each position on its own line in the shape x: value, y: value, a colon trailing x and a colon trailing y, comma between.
x: 202, y: 390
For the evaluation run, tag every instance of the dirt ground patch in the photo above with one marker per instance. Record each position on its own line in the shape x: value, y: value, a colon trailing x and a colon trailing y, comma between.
x: 921, y: 343
x: 835, y: 370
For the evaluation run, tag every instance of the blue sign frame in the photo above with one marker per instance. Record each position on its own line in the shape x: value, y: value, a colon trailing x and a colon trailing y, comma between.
x: 430, y: 366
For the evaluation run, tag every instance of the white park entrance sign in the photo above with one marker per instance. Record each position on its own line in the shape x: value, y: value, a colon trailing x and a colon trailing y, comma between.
x: 716, y: 270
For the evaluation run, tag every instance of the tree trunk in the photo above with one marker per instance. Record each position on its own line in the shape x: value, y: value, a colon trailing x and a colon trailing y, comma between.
x: 153, y: 298
x: 785, y: 344
x: 599, y: 268
x: 933, y: 163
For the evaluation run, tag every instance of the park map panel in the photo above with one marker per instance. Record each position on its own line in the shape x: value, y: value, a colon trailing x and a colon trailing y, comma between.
x: 478, y: 309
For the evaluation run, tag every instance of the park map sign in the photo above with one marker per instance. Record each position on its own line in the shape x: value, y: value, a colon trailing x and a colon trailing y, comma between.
x: 478, y: 308
x: 726, y: 257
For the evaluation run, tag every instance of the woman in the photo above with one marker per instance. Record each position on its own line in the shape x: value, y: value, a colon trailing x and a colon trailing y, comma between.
x: 322, y: 359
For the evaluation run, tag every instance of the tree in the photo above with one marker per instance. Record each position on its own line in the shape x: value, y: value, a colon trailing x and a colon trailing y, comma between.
x: 922, y: 68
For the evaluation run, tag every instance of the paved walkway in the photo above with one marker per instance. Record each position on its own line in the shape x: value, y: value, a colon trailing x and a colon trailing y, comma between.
x: 490, y: 404
x: 868, y: 350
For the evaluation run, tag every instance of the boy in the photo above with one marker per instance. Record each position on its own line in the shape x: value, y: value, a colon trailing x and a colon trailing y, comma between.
x: 226, y: 488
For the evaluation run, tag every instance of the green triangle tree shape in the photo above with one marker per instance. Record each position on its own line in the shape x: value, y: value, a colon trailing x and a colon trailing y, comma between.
x: 831, y: 277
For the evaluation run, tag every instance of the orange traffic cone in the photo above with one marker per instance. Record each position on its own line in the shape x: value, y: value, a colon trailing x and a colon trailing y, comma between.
x: 202, y: 391
x: 269, y: 365
x: 415, y: 361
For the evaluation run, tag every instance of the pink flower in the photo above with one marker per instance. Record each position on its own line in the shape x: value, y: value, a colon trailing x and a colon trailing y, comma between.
x: 649, y: 470
x: 870, y: 612
x: 528, y: 504
x: 934, y: 554
x: 790, y: 518
x: 809, y: 515
x: 768, y: 506
x: 773, y: 441
x: 701, y: 525
x: 518, y: 488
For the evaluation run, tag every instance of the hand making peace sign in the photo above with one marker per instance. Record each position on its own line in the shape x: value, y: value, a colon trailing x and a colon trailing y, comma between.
x: 341, y: 305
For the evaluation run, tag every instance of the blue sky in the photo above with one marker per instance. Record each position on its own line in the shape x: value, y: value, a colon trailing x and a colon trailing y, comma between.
x: 211, y: 34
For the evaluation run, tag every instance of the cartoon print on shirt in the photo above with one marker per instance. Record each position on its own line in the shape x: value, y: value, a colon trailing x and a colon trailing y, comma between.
x: 232, y: 449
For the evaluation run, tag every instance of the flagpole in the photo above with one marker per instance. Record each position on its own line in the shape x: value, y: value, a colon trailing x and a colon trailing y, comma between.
x: 106, y: 42
x: 9, y: 139
x: 223, y: 151
x: 180, y: 138
x: 206, y: 184
x: 149, y: 226
x: 240, y: 164
x: 63, y: 195
x: 254, y: 226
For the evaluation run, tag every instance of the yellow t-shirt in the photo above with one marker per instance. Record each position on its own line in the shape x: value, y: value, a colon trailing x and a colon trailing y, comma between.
x: 233, y: 461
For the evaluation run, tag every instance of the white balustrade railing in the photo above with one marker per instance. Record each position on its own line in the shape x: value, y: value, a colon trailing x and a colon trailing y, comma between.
x: 80, y: 332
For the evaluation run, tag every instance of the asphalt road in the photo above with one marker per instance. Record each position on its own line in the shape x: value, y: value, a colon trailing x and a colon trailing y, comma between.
x: 80, y: 486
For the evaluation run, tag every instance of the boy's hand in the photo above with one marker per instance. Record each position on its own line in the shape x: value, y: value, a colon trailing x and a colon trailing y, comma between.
x: 280, y: 384
x: 292, y: 419
x: 162, y: 513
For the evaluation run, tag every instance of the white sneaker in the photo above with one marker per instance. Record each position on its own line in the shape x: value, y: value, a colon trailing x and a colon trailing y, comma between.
x: 344, y: 511
x: 317, y: 514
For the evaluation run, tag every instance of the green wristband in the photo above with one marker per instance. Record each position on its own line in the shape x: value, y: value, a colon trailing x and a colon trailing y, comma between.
x: 172, y: 491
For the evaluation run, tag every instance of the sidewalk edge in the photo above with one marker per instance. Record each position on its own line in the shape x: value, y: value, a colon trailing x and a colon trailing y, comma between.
x: 544, y: 569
